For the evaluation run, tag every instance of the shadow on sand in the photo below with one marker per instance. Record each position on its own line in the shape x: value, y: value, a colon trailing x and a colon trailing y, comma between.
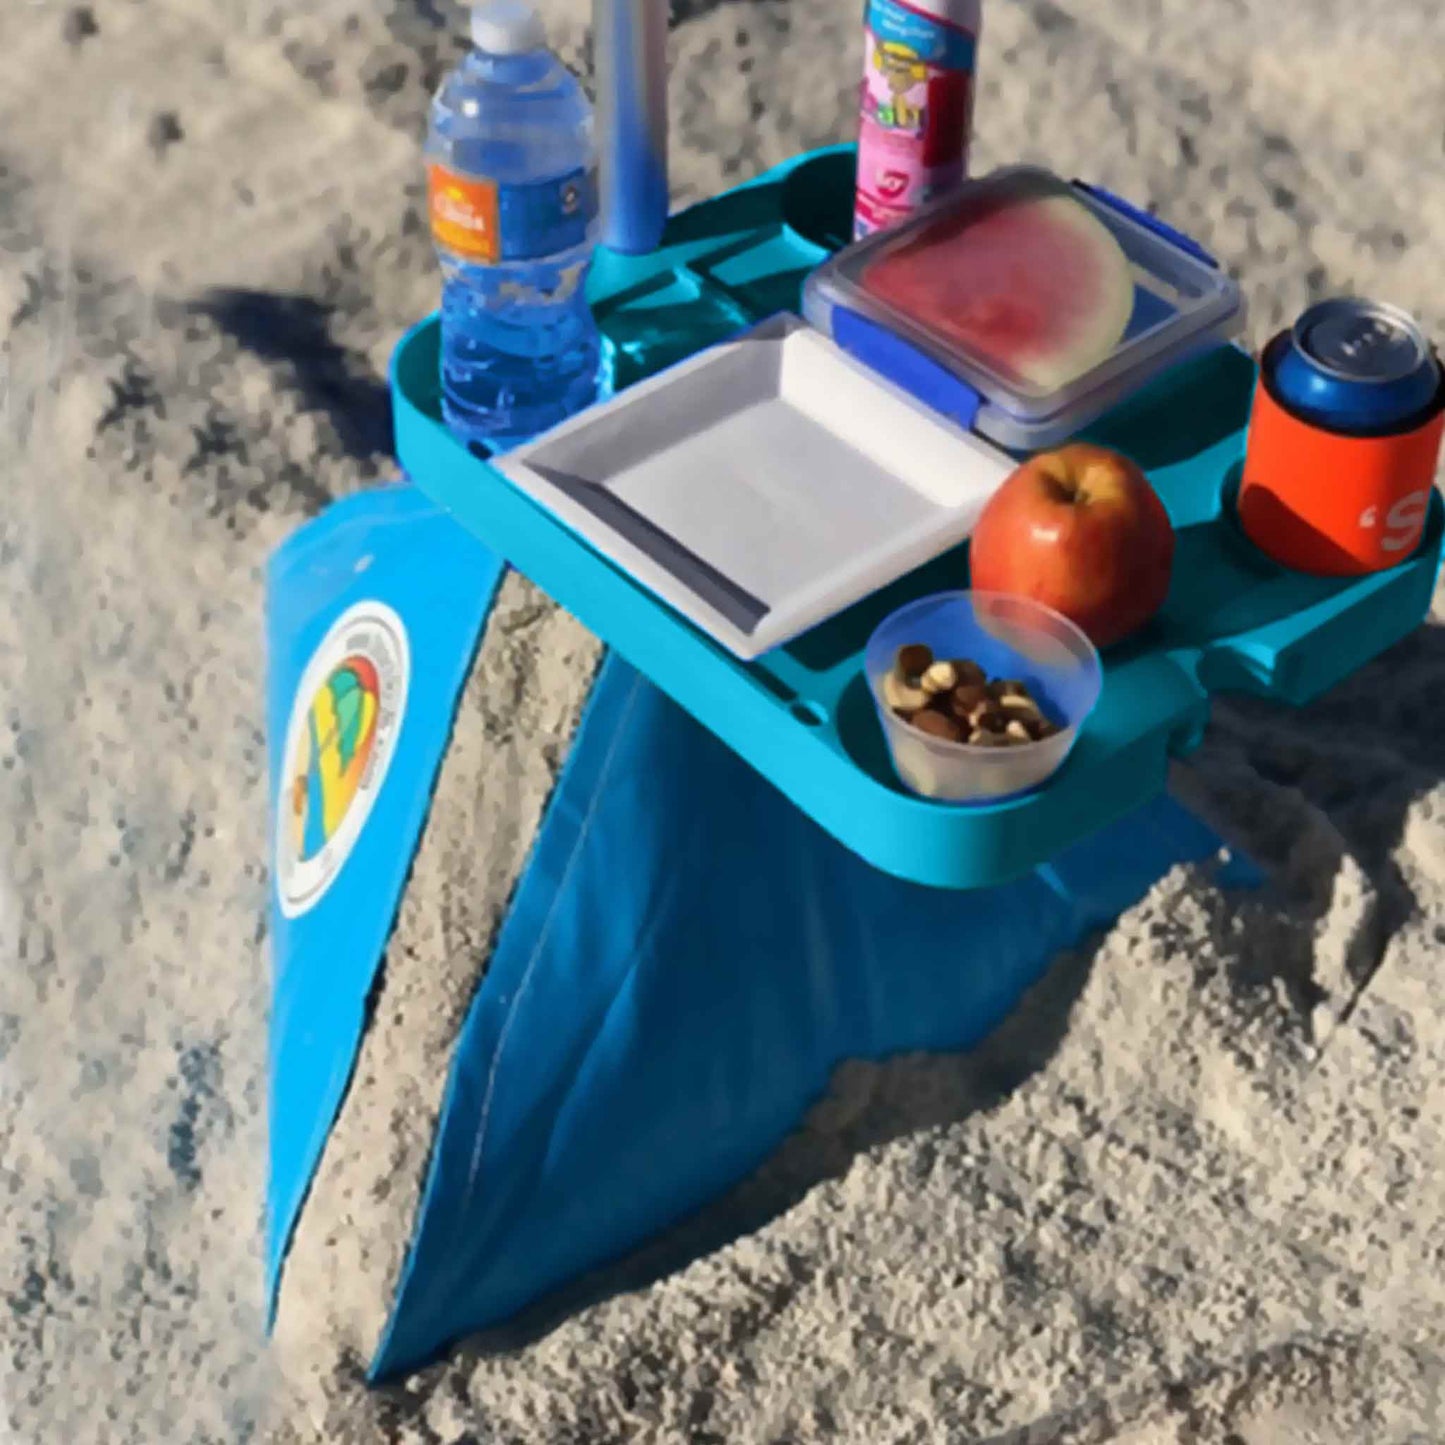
x: 1362, y: 755
x: 295, y: 332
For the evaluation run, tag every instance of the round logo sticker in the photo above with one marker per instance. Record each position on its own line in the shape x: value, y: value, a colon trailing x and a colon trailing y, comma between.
x: 344, y: 723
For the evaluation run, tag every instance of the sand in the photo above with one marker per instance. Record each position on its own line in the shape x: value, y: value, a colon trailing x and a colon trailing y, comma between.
x: 1190, y: 1193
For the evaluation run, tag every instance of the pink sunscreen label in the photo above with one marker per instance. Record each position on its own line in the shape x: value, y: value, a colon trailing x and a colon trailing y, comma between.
x: 915, y: 108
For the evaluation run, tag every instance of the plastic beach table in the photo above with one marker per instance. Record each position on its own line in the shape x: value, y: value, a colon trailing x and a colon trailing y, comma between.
x: 802, y: 715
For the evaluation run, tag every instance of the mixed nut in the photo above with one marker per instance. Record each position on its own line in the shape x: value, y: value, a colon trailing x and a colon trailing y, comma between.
x: 958, y: 702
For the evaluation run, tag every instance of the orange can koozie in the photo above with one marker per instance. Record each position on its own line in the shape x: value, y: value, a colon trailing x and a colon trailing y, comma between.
x: 1344, y: 440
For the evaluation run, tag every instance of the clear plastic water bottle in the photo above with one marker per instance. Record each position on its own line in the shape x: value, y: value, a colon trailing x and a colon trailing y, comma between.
x: 512, y: 193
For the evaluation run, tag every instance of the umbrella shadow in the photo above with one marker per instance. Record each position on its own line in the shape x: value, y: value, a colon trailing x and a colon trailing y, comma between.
x: 1362, y: 755
x: 295, y: 332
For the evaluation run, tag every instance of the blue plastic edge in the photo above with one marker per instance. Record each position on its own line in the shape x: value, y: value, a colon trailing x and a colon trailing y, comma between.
x: 1149, y: 221
x: 893, y: 358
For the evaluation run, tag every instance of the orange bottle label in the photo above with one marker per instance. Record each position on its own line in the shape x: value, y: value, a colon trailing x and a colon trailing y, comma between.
x: 464, y: 218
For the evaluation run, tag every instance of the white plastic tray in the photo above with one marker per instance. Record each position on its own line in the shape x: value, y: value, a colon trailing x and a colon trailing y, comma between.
x: 763, y: 485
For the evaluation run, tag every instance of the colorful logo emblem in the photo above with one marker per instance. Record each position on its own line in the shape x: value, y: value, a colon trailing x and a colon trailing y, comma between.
x: 344, y: 723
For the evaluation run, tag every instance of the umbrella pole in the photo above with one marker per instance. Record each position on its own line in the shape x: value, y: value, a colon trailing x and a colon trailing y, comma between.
x: 630, y: 49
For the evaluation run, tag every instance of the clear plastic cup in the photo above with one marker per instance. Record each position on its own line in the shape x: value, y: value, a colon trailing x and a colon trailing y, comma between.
x: 1009, y: 637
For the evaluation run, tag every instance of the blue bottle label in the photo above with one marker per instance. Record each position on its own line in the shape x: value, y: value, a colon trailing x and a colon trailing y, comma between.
x: 548, y: 216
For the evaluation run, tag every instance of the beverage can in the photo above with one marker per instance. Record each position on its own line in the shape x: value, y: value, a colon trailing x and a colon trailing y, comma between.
x: 916, y: 106
x: 1357, y: 366
x: 1344, y: 440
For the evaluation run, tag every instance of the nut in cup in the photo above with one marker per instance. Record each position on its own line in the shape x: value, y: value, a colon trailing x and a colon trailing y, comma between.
x: 1008, y: 637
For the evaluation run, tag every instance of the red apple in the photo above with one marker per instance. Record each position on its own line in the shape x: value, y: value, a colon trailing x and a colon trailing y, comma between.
x: 1082, y: 531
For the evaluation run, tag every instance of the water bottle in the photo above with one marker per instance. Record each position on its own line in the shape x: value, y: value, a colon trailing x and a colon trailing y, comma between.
x: 512, y: 194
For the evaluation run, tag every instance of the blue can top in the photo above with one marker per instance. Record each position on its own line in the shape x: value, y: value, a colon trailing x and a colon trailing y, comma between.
x: 1358, y: 367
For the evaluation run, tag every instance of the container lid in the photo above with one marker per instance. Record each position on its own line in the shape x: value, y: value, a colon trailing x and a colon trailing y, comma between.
x: 1023, y: 305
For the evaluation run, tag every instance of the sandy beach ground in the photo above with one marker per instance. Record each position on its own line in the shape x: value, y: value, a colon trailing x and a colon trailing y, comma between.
x: 1191, y: 1193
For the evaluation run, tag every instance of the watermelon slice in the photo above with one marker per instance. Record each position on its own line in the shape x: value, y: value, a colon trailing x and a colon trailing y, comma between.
x: 1020, y: 278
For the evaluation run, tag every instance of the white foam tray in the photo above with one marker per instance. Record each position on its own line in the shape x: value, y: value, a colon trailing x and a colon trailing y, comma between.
x: 762, y: 485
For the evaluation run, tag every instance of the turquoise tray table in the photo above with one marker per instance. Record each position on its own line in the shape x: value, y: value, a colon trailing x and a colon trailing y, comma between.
x: 802, y: 715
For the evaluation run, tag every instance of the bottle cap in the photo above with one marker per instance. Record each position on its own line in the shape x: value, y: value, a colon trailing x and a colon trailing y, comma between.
x: 507, y: 27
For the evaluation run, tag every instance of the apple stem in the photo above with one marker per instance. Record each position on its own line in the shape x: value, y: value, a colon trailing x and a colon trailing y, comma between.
x: 1065, y: 489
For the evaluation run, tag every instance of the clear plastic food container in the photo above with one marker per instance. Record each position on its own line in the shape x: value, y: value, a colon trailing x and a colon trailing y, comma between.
x: 1024, y: 306
x: 1009, y: 637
